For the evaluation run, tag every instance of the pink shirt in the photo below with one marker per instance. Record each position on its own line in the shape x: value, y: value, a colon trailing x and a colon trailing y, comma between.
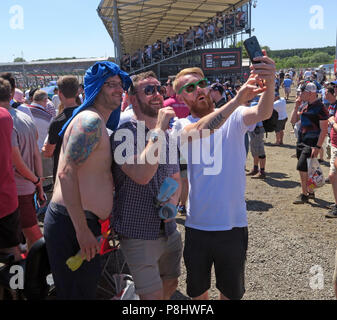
x: 179, y: 107
x: 333, y: 135
x: 8, y: 193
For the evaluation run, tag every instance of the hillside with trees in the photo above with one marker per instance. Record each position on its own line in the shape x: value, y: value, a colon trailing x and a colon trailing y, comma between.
x: 298, y: 58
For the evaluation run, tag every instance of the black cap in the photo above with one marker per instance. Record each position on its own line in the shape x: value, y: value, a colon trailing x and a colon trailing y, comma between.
x: 218, y: 87
x: 31, y: 92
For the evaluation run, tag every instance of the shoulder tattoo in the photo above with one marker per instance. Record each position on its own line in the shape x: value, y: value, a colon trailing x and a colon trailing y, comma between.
x: 83, y: 138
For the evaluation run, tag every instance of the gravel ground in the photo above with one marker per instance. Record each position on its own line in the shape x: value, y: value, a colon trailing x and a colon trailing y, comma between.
x: 291, y: 247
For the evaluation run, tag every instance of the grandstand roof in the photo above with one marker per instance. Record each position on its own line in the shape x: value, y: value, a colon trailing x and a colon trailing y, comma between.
x: 142, y: 22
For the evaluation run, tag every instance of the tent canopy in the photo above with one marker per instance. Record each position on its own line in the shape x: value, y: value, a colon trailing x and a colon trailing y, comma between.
x: 145, y: 21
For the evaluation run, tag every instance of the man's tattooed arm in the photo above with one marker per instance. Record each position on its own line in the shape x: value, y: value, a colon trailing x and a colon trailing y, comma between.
x: 83, y: 138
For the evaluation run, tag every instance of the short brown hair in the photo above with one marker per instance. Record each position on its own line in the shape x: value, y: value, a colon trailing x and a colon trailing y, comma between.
x: 330, y: 89
x: 9, y: 77
x: 139, y: 77
x: 40, y: 95
x: 5, y: 90
x: 184, y: 72
x: 68, y: 85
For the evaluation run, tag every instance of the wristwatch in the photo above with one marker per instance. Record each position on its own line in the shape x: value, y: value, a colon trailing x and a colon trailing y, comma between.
x: 154, y: 136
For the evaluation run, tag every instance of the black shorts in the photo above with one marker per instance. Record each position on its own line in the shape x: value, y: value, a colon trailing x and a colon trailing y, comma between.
x: 303, y: 152
x: 280, y: 125
x: 227, y: 250
x: 10, y: 231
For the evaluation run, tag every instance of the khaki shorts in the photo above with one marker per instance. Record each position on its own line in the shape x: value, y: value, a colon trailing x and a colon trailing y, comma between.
x: 287, y: 90
x: 257, y: 142
x: 333, y: 157
x: 151, y: 261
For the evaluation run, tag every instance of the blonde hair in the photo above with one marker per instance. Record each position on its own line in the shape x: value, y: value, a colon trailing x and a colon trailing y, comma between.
x: 184, y: 72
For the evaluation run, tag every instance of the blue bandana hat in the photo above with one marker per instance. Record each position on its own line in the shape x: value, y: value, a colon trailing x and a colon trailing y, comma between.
x: 93, y: 82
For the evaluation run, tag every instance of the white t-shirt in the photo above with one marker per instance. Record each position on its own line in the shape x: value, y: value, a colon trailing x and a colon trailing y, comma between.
x: 126, y: 116
x: 217, y: 201
x: 281, y: 107
x: 56, y: 102
x: 42, y: 120
x: 307, y: 74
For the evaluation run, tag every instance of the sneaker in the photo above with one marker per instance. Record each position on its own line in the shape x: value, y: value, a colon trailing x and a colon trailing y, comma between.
x: 311, y: 195
x: 182, y: 210
x: 332, y: 213
x: 254, y: 172
x: 301, y: 199
x: 261, y: 175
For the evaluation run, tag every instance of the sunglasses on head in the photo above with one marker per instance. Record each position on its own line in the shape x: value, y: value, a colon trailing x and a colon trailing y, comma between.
x: 191, y: 87
x: 150, y: 89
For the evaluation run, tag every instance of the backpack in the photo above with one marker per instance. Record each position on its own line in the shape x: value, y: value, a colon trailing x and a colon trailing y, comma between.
x: 271, y: 123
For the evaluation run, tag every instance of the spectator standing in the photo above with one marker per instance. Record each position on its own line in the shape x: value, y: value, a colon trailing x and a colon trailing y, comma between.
x: 333, y: 141
x: 83, y: 189
x: 68, y: 90
x: 330, y: 98
x: 287, y: 83
x: 313, y: 130
x: 10, y: 232
x: 216, y: 222
x: 280, y: 105
x: 28, y: 171
x: 56, y: 99
x: 217, y: 95
x: 182, y: 111
x: 137, y: 183
x: 179, y: 107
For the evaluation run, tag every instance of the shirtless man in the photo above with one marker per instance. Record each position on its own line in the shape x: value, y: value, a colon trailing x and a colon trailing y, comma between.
x: 83, y: 191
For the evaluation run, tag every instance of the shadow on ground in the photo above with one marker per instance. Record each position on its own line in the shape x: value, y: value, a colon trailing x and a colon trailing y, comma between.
x: 260, y: 206
x: 286, y: 146
x: 276, y: 179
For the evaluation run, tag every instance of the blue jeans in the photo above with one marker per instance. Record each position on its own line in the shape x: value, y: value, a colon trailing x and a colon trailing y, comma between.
x: 61, y: 244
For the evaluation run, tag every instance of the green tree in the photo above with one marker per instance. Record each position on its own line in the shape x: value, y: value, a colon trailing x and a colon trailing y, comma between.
x: 18, y: 59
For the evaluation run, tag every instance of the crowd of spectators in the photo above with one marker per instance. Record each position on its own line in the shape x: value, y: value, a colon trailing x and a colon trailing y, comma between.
x: 223, y: 24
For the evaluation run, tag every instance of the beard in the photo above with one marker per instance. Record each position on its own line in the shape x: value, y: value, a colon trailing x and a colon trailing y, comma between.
x: 146, y: 108
x: 201, y: 108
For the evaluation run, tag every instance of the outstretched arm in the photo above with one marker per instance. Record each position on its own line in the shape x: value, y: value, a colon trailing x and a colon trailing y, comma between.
x: 265, y: 71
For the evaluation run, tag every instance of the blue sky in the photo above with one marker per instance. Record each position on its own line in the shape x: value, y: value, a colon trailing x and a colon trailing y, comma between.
x: 67, y: 28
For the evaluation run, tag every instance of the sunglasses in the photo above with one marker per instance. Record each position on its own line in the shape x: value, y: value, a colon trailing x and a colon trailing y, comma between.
x: 191, y: 87
x: 150, y: 90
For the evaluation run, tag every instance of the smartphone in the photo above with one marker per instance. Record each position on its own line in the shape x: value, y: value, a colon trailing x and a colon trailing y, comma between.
x: 253, y: 49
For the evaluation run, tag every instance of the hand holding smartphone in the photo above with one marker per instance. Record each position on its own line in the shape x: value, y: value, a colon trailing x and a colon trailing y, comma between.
x: 253, y: 49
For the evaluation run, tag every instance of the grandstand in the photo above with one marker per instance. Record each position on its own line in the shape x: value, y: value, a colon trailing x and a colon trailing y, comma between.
x: 40, y: 73
x: 168, y: 35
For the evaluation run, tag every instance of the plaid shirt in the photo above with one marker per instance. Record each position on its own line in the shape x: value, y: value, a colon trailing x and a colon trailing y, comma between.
x: 134, y: 213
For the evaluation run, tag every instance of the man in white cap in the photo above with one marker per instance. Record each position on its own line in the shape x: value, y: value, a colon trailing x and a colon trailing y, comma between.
x: 311, y: 135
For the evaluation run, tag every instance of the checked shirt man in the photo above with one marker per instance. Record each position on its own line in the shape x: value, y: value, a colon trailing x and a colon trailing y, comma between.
x: 152, y: 247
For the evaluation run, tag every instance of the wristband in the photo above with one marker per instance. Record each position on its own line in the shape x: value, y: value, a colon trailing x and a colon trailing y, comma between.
x: 318, y: 147
x: 38, y: 180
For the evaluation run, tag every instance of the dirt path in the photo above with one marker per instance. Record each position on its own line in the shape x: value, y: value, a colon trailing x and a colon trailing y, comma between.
x: 289, y: 246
